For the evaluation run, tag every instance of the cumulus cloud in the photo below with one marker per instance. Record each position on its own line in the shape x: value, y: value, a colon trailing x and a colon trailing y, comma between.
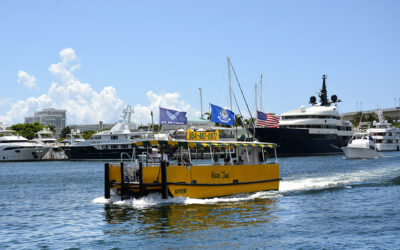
x: 167, y: 100
x: 26, y: 79
x: 83, y: 104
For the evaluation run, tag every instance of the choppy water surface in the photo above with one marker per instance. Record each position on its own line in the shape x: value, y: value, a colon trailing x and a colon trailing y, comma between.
x: 323, y: 202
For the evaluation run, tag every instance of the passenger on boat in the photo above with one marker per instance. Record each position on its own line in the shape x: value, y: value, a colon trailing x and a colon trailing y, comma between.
x: 227, y: 160
x: 186, y: 161
x: 240, y: 160
x: 215, y: 159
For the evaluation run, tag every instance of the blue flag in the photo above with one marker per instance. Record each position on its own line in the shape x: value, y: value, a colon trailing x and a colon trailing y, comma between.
x: 172, y: 117
x: 220, y: 115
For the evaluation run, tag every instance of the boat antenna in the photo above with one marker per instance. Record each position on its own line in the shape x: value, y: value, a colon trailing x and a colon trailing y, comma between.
x: 324, y: 94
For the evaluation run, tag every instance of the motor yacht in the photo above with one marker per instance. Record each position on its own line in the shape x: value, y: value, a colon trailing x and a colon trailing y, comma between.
x: 314, y: 130
x: 45, y: 137
x: 109, y: 144
x: 384, y: 134
x: 18, y: 148
x: 361, y: 145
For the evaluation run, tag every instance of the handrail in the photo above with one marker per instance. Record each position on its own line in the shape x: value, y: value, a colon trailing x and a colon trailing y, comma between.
x: 124, y: 153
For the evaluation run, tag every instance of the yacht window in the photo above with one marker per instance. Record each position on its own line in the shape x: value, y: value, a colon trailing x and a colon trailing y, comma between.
x: 309, y: 117
x: 124, y: 146
x: 114, y: 137
x: 114, y: 146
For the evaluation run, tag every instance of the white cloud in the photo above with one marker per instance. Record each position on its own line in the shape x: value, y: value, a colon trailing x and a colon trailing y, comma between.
x: 167, y: 100
x: 5, y: 121
x: 4, y: 101
x: 83, y: 104
x: 26, y: 79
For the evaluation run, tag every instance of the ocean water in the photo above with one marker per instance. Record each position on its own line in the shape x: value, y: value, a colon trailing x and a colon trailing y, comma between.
x: 323, y: 202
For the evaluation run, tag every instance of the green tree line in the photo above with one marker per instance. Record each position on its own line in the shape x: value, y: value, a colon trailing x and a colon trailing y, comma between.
x: 370, y: 117
x: 28, y: 130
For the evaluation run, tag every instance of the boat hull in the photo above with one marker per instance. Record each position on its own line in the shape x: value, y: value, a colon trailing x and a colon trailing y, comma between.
x: 202, y: 181
x: 360, y: 153
x: 299, y: 142
x: 92, y: 153
x: 17, y: 153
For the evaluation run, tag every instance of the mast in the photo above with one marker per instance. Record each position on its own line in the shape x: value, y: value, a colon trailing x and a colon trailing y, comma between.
x: 324, y: 94
x: 261, y: 106
x: 229, y: 79
x: 255, y: 95
x: 201, y: 104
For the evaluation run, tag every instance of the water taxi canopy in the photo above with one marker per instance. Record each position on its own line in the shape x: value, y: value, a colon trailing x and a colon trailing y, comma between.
x: 201, y: 144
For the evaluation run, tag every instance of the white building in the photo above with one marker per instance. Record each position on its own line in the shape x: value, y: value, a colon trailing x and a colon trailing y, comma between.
x: 96, y: 127
x: 51, y: 116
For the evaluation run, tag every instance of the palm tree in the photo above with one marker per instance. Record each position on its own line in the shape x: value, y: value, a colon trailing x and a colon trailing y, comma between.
x: 238, y: 121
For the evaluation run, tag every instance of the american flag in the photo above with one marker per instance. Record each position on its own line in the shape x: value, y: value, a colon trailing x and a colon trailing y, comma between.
x: 267, y: 120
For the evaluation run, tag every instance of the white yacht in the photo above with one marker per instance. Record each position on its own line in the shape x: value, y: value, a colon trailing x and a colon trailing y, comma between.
x: 110, y: 144
x: 18, y: 148
x: 315, y: 130
x: 361, y: 145
x: 385, y: 135
x: 73, y: 138
x: 46, y: 138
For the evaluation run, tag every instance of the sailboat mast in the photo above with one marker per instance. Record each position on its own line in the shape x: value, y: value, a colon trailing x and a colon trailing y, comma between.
x: 229, y: 79
x: 255, y: 95
x: 261, y: 105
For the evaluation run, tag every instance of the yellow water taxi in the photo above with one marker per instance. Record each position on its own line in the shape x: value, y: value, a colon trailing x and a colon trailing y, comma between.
x: 195, y: 169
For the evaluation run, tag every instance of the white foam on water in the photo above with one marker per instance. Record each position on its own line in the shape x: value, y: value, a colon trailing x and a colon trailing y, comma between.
x: 337, y: 180
x: 102, y: 200
x: 156, y: 200
x: 345, y: 180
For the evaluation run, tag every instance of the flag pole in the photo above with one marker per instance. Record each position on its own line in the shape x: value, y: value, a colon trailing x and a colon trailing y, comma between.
x: 261, y: 104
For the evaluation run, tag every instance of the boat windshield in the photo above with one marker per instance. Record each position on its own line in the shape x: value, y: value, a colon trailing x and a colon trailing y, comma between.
x: 183, y: 153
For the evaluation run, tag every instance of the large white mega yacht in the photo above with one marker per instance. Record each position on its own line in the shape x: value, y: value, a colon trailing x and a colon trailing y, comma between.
x: 315, y: 130
x: 108, y: 145
x: 386, y: 136
x: 18, y: 148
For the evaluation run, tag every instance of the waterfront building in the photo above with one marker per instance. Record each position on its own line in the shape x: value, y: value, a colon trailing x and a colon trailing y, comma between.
x: 51, y: 116
x: 96, y: 127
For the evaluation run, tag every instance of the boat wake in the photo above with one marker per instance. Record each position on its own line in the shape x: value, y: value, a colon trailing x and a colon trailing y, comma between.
x: 368, y: 177
x: 365, y: 177
x: 156, y: 200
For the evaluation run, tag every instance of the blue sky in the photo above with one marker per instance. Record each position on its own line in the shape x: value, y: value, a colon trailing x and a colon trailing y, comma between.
x: 106, y: 54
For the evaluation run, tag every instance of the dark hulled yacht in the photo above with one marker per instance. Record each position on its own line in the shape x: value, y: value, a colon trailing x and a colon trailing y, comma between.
x: 315, y: 130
